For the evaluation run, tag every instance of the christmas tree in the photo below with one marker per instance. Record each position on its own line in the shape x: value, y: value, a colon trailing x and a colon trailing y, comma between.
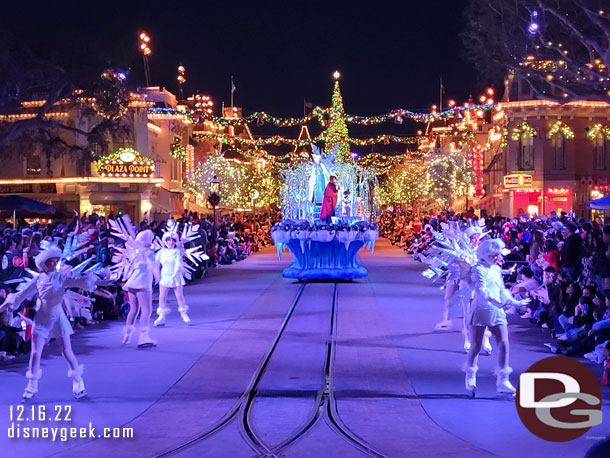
x: 336, y: 133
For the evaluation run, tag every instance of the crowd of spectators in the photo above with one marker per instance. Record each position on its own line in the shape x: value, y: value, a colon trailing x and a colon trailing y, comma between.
x: 563, y: 265
x: 237, y: 235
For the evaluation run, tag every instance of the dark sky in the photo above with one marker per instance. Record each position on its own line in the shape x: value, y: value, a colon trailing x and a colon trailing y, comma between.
x: 391, y: 54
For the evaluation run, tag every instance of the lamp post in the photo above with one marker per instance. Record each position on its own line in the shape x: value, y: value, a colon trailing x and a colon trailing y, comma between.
x: 181, y: 80
x: 214, y: 200
x: 146, y: 51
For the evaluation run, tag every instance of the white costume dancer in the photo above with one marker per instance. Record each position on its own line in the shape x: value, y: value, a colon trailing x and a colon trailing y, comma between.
x: 174, y: 268
x: 172, y: 277
x: 50, y: 320
x: 487, y: 310
x: 455, y: 251
x: 144, y: 270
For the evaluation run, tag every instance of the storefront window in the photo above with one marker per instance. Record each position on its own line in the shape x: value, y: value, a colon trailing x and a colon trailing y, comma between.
x: 32, y: 164
x: 599, y: 152
x: 559, y: 151
x: 526, y: 151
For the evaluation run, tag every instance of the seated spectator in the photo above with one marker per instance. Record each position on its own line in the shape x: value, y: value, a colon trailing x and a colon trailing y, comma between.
x: 526, y: 284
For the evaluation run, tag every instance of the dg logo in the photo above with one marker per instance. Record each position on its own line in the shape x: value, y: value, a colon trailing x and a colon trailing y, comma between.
x: 559, y: 399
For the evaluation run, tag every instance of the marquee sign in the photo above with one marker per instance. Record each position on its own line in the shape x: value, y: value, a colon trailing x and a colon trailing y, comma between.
x: 518, y: 181
x: 126, y: 162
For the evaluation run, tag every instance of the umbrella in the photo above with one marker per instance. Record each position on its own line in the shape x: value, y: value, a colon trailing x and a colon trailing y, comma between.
x: 599, y: 204
x: 17, y: 203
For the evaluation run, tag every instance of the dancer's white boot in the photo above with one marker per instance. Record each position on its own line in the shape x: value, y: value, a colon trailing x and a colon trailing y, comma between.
x: 184, y: 315
x: 127, y: 333
x: 32, y: 387
x: 444, y: 325
x: 162, y: 312
x: 503, y: 385
x: 78, y: 385
x: 144, y: 341
x: 471, y: 379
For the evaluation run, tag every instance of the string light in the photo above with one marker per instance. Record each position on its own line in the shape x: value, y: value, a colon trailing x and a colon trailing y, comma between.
x: 565, y: 130
x: 523, y: 128
x: 599, y: 130
x: 177, y: 151
x: 237, y: 181
x: 280, y: 140
x: 405, y: 183
x: 319, y: 114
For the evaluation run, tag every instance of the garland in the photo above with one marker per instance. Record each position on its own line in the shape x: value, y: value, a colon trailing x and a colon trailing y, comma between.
x: 178, y: 151
x: 318, y: 113
x: 599, y: 129
x: 279, y: 140
x: 562, y: 127
x: 523, y: 128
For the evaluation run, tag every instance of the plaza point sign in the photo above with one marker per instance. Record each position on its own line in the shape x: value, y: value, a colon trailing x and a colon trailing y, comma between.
x: 126, y: 162
x: 518, y: 181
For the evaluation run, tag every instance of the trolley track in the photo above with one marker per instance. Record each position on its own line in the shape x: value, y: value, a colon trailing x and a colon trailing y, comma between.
x: 323, y: 409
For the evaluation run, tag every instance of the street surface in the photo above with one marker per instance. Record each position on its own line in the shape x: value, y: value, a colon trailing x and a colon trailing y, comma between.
x: 273, y: 367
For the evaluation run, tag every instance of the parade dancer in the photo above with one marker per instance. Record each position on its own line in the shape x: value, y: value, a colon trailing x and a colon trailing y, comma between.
x: 487, y: 310
x: 458, y: 249
x: 474, y: 234
x: 50, y: 320
x: 172, y: 277
x: 144, y: 269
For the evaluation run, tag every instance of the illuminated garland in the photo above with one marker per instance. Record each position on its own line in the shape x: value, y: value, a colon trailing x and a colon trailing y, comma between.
x: 597, y: 130
x: 111, y: 98
x: 177, y: 150
x: 562, y: 127
x: 523, y: 128
x: 279, y: 140
x: 318, y: 113
x: 380, y: 163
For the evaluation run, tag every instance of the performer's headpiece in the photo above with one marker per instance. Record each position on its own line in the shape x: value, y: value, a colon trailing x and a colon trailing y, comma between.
x: 145, y: 237
x: 489, y: 248
x: 42, y: 257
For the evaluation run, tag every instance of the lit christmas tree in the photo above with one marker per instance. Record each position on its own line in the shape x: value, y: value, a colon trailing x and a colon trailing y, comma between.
x: 336, y: 133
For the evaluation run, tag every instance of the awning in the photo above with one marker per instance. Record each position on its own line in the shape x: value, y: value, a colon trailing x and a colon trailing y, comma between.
x: 599, y: 204
x: 21, y: 204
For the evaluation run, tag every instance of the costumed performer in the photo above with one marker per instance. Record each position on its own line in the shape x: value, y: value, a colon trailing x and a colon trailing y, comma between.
x: 172, y: 277
x: 139, y: 287
x: 487, y: 310
x: 330, y: 200
x: 459, y: 292
x: 50, y: 320
x: 474, y: 234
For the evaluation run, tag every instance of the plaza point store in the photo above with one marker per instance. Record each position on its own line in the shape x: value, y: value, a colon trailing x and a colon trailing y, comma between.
x: 522, y: 194
x: 123, y: 182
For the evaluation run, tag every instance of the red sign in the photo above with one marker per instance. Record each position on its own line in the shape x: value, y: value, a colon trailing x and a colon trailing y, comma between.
x: 518, y: 181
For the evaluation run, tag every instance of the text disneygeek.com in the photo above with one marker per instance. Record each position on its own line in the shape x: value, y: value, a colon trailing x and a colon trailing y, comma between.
x: 63, y: 434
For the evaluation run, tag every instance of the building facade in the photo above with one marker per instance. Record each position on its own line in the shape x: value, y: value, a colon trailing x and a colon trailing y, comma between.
x: 552, y: 157
x: 139, y: 169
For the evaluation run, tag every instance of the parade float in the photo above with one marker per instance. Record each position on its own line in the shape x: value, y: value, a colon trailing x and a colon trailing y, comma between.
x: 321, y: 249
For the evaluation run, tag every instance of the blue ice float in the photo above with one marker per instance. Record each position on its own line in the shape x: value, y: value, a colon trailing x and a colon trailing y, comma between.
x: 324, y: 251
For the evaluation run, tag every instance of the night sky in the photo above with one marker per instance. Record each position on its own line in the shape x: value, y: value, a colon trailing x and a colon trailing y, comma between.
x: 391, y: 54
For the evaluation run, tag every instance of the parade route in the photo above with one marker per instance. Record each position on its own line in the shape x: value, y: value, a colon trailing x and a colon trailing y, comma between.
x: 274, y: 367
